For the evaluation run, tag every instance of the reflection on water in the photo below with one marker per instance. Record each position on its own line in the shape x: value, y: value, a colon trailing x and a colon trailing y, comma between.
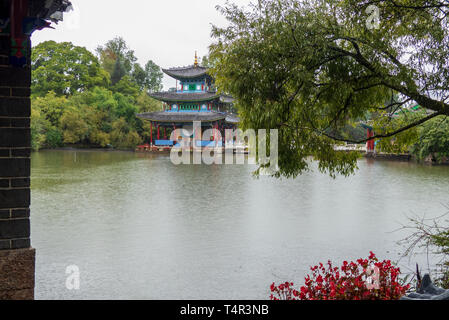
x: 139, y: 227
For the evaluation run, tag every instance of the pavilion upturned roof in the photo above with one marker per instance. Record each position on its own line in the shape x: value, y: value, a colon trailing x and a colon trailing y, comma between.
x: 184, y: 117
x: 49, y: 9
x: 185, y: 97
x: 189, y: 72
x: 232, y: 118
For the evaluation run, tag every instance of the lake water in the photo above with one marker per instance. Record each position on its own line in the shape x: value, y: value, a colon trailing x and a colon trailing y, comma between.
x: 139, y: 227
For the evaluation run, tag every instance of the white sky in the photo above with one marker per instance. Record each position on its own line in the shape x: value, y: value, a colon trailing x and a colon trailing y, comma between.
x: 165, y: 31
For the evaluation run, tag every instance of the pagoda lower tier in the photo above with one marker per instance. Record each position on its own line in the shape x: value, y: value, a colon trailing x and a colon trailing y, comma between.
x: 163, y: 124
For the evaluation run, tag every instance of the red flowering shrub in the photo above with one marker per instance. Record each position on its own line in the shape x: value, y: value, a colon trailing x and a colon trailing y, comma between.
x: 284, y: 291
x: 365, y: 279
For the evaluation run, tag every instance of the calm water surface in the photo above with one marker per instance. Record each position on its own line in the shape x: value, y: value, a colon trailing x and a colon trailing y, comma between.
x: 139, y: 227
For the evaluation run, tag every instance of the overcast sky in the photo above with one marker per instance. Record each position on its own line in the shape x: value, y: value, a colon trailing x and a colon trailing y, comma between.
x: 165, y: 31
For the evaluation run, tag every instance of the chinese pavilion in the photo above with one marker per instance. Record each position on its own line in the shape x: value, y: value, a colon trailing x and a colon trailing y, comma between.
x: 196, y: 99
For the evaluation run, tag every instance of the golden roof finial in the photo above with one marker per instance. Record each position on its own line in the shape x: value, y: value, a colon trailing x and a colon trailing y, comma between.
x: 196, y: 59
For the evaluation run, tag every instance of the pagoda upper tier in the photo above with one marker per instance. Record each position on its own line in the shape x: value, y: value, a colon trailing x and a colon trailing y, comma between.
x: 195, y: 85
x: 184, y: 73
x: 195, y: 98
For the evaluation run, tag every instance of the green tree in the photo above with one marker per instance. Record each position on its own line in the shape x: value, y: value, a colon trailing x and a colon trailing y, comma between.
x: 119, y: 72
x: 119, y: 60
x: 122, y: 136
x: 99, y: 121
x: 154, y: 77
x: 308, y: 68
x: 107, y: 59
x: 39, y: 127
x: 70, y: 106
x: 207, y: 62
x: 116, y: 49
x: 403, y: 141
x: 433, y: 140
x: 145, y: 103
x: 100, y: 138
x: 101, y: 99
x: 127, y: 87
x: 46, y: 113
x: 74, y: 127
x: 64, y: 69
x: 54, y: 137
x: 104, y: 115
x: 139, y: 76
x: 125, y: 108
x: 51, y: 107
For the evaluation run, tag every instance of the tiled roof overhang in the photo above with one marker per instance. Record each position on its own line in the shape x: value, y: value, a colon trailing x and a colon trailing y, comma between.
x: 170, y: 117
x: 226, y: 98
x: 49, y: 9
x: 230, y: 118
x: 185, y: 97
x: 190, y: 72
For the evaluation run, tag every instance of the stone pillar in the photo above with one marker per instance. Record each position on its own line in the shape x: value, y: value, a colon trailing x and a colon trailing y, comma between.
x: 17, y: 258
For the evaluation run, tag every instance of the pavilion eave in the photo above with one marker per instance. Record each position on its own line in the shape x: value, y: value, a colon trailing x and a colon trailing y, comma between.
x: 182, y: 117
x: 190, y: 72
x: 185, y: 97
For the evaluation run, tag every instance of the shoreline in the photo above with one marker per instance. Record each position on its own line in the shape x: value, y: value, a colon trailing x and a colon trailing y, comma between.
x: 372, y: 156
x: 84, y: 149
x: 390, y: 157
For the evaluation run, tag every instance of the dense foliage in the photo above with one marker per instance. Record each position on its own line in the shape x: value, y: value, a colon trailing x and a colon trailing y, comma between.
x: 365, y: 279
x: 433, y: 140
x: 310, y: 68
x: 80, y: 99
x: 65, y: 69
x: 427, y: 142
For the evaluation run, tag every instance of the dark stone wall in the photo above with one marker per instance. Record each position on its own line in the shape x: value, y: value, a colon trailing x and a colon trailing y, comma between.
x: 16, y: 256
x: 15, y: 150
x: 17, y: 274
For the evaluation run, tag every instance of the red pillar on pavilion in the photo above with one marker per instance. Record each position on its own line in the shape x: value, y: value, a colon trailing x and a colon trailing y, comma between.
x: 175, y: 138
x: 151, y: 133
x: 370, y: 145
